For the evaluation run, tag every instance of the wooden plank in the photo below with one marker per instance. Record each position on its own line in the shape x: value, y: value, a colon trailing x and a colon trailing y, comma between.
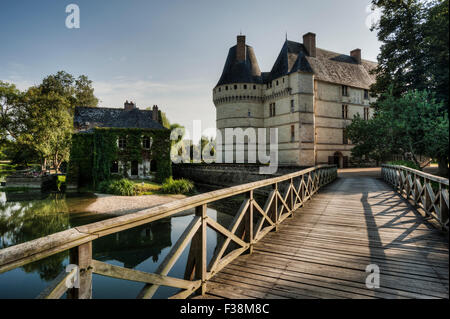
x: 149, y: 290
x: 58, y: 286
x: 117, y: 272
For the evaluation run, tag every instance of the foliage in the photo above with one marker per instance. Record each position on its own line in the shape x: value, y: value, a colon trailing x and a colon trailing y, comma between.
x: 413, y: 123
x: 92, y: 154
x: 121, y: 187
x: 415, y: 50
x: 180, y: 186
x: 40, y: 120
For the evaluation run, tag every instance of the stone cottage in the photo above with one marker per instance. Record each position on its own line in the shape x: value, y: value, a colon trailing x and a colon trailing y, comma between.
x: 112, y: 141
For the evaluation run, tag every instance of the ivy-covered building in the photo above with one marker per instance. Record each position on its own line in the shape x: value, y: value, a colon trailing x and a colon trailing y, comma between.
x: 126, y: 142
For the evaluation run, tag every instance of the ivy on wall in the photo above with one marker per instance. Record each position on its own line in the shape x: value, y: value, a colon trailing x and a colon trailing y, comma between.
x: 92, y: 154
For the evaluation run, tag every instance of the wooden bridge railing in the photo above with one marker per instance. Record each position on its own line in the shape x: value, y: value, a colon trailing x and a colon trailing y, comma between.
x: 428, y: 192
x: 251, y: 223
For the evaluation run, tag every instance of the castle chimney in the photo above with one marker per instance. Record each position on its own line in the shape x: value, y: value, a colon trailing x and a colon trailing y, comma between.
x: 356, y: 54
x: 155, y: 113
x: 129, y: 105
x: 240, y: 48
x: 309, y: 41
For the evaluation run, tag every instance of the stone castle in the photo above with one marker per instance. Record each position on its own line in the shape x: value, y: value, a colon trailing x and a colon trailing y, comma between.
x: 310, y: 95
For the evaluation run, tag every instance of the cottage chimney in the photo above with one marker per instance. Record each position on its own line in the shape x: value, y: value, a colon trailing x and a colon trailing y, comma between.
x: 309, y: 41
x: 155, y: 113
x: 356, y: 54
x: 129, y: 105
x: 240, y: 48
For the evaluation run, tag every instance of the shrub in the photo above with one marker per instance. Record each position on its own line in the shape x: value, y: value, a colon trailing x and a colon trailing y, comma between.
x: 180, y: 186
x: 409, y: 164
x: 121, y: 187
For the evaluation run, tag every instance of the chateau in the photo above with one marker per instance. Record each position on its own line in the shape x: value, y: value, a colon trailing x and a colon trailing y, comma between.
x: 310, y: 95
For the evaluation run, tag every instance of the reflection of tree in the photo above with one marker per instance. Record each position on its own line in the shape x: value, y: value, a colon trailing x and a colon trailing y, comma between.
x: 133, y: 246
x: 24, y: 221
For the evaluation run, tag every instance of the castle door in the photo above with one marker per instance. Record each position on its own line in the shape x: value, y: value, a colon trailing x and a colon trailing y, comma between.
x: 134, y: 168
x: 338, y: 159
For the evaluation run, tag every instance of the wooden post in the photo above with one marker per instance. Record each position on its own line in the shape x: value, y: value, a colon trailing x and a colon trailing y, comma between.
x: 249, y: 222
x: 200, y: 267
x: 291, y: 197
x: 82, y: 257
x: 275, y: 206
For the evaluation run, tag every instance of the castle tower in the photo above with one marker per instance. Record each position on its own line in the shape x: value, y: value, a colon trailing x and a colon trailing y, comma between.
x: 238, y: 96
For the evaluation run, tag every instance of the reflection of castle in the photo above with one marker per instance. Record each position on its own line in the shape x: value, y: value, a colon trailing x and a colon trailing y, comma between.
x: 136, y: 245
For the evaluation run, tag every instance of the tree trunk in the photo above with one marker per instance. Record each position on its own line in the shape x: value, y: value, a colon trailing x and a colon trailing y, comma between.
x: 443, y: 167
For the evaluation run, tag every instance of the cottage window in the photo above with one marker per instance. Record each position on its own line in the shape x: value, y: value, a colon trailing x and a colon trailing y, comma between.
x: 122, y: 142
x: 114, y: 167
x: 366, y: 113
x: 344, y: 111
x: 146, y: 142
x: 344, y: 90
x: 366, y: 94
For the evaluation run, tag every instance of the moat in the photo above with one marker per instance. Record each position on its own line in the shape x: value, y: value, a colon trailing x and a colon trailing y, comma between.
x: 27, y: 216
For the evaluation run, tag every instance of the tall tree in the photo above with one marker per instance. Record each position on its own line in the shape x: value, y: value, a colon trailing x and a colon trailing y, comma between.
x: 415, y: 50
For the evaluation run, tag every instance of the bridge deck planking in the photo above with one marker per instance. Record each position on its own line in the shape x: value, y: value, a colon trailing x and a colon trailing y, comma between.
x: 323, y: 251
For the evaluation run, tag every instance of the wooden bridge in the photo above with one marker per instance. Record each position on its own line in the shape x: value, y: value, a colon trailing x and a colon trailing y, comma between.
x: 312, y: 237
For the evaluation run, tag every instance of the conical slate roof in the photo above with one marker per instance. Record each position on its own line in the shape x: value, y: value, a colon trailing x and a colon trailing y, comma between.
x: 246, y: 71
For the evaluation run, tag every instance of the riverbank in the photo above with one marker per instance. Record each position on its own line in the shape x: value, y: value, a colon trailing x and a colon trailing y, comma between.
x: 121, y: 205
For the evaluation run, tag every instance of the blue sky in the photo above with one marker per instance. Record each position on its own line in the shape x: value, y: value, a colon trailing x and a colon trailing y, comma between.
x: 170, y: 53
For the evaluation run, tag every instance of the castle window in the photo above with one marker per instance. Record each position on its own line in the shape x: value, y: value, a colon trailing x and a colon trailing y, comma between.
x: 114, y: 167
x: 235, y: 87
x: 249, y: 114
x: 254, y: 87
x: 226, y: 88
x: 344, y: 90
x: 245, y: 86
x: 366, y: 113
x: 146, y: 142
x: 272, y: 110
x: 277, y: 82
x: 292, y: 106
x: 344, y: 137
x: 122, y: 142
x: 292, y: 133
x: 283, y: 80
x: 366, y: 94
x: 220, y: 89
x: 344, y: 111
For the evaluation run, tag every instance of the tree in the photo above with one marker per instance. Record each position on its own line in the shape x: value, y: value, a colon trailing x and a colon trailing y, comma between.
x: 9, y: 100
x: 415, y: 50
x: 413, y: 123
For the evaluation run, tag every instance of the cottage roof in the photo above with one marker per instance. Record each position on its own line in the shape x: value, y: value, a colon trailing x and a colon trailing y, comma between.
x: 114, y: 117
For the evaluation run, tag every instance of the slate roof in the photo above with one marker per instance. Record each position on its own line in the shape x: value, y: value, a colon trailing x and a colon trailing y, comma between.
x: 112, y: 117
x: 241, y: 72
x: 327, y: 66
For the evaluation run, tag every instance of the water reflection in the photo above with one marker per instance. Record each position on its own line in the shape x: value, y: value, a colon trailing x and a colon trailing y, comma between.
x: 142, y: 248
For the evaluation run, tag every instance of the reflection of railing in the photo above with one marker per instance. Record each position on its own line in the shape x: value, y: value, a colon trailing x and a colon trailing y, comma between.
x: 428, y: 192
x: 251, y: 223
